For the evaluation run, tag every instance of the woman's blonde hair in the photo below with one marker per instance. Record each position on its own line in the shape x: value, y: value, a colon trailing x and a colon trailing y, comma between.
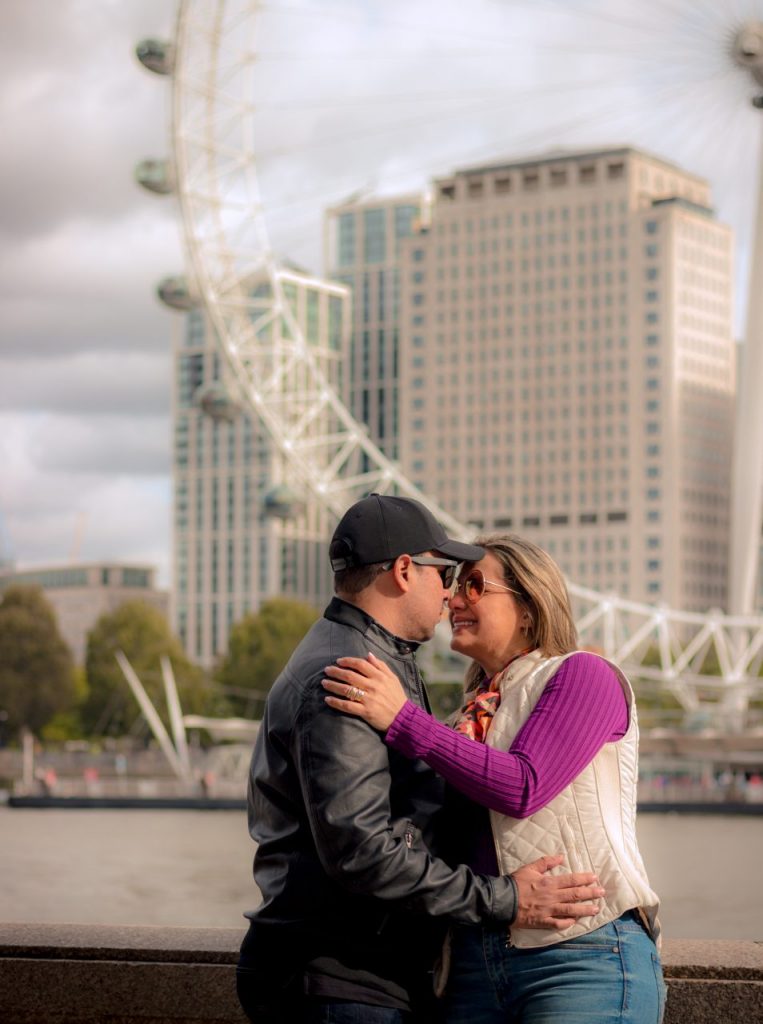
x: 541, y: 594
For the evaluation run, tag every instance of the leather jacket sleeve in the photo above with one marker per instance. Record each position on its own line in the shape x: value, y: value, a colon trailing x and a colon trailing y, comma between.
x: 343, y: 769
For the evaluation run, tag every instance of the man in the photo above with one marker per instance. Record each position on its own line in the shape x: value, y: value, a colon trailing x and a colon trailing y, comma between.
x: 354, y: 895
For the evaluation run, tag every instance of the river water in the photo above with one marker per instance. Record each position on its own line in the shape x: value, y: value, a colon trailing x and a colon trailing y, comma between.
x: 194, y: 868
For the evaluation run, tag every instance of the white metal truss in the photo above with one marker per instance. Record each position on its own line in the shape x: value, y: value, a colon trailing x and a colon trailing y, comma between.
x: 706, y: 661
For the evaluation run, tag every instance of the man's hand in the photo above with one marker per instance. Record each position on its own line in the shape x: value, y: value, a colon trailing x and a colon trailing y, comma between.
x: 553, y: 901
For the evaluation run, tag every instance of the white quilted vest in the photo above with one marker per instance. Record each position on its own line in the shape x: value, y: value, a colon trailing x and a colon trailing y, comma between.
x: 592, y: 822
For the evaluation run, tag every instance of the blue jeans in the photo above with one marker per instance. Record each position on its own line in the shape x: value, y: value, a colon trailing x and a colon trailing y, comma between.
x: 611, y: 974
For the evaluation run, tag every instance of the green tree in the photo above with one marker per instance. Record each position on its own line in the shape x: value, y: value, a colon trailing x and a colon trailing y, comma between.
x: 142, y: 632
x: 67, y: 724
x: 261, y: 643
x: 36, y: 667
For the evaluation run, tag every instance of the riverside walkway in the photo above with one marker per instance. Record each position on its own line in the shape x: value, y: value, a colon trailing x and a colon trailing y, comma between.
x: 85, y: 974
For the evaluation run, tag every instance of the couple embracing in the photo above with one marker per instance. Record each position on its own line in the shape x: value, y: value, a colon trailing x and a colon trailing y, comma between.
x: 485, y: 870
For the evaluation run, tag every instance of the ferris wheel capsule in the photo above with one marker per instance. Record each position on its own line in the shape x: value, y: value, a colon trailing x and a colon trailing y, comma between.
x: 176, y: 293
x: 282, y: 502
x: 747, y: 50
x: 156, y: 176
x: 157, y: 55
x: 214, y: 401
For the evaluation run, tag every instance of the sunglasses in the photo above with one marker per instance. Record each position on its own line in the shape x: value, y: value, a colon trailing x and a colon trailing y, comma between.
x: 473, y: 586
x: 446, y: 567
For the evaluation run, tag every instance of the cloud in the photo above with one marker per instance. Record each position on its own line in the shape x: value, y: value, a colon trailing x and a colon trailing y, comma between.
x: 61, y: 482
x: 96, y: 383
x: 89, y: 287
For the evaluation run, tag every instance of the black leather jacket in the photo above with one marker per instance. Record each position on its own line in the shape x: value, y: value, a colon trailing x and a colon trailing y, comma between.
x: 345, y: 829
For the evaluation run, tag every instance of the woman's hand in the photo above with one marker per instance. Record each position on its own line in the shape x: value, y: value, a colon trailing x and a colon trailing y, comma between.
x: 367, y: 688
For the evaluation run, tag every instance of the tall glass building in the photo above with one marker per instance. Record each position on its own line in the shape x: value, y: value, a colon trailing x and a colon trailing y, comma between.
x: 363, y: 252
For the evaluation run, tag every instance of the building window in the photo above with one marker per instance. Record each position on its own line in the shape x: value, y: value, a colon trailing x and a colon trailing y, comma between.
x: 405, y: 219
x: 346, y: 252
x: 531, y: 180
x: 374, y: 236
x: 587, y: 174
x: 558, y: 177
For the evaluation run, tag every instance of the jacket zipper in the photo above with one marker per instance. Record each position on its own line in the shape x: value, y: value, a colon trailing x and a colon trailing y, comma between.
x: 420, y: 691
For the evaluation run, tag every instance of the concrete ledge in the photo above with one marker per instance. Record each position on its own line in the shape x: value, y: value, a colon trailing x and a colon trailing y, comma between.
x: 78, y: 974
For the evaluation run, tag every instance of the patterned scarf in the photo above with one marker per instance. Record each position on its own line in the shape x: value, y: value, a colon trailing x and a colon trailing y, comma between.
x: 475, y: 716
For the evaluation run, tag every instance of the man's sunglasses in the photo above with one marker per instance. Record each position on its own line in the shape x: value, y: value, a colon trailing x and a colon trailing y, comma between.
x: 447, y: 568
x: 473, y: 586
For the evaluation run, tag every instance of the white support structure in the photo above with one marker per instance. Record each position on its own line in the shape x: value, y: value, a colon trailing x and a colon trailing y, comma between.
x: 708, y: 661
x: 155, y: 723
x: 176, y: 716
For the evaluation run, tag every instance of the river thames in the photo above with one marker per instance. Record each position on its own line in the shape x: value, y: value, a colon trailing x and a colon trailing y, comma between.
x: 194, y: 868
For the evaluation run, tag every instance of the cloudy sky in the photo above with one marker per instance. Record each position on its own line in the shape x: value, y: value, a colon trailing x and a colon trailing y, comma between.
x: 352, y: 94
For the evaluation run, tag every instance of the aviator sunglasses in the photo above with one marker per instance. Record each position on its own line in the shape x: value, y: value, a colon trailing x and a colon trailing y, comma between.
x: 473, y: 586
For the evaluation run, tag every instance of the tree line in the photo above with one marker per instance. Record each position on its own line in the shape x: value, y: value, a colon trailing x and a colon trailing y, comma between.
x: 41, y: 689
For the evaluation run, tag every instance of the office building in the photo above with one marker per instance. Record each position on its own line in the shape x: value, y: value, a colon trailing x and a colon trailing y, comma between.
x: 242, y: 531
x: 567, y: 366
x: 81, y: 592
x: 363, y: 240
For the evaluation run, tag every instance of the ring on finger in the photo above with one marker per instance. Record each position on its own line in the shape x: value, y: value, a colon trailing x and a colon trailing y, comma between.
x: 356, y: 694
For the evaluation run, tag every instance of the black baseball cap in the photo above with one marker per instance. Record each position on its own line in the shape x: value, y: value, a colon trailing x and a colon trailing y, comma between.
x: 381, y: 527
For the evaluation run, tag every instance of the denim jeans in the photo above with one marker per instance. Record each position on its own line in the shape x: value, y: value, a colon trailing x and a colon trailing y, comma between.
x: 610, y: 974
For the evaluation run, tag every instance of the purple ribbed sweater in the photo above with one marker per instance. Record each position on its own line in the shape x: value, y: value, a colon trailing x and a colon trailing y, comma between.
x: 581, y: 708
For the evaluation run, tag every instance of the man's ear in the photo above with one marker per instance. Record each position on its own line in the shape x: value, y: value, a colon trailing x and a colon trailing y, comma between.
x: 401, y: 572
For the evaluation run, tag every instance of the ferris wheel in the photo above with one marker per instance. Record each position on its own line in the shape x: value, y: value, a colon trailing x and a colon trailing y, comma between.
x: 242, y: 68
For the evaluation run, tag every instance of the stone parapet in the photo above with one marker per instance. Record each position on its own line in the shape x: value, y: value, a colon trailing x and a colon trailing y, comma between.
x: 85, y: 974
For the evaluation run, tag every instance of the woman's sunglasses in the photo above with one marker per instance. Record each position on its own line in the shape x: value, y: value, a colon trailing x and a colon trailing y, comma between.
x: 473, y: 586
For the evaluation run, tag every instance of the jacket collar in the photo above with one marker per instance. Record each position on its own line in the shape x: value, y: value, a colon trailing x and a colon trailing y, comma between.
x: 350, y: 615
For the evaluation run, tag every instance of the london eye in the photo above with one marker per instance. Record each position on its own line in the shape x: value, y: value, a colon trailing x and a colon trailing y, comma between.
x: 256, y: 84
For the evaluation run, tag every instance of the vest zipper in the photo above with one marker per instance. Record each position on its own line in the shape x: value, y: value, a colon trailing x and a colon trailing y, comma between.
x: 509, y: 942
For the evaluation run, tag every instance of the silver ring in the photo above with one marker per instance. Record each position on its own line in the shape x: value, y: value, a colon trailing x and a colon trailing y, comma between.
x: 356, y: 694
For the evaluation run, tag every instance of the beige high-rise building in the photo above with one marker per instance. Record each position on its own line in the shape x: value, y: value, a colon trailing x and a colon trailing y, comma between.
x: 567, y: 366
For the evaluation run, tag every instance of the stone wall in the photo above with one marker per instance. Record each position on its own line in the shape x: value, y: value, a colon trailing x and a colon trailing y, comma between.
x: 78, y: 974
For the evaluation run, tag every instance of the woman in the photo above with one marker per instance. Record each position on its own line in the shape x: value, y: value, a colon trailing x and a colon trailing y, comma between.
x: 547, y: 742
